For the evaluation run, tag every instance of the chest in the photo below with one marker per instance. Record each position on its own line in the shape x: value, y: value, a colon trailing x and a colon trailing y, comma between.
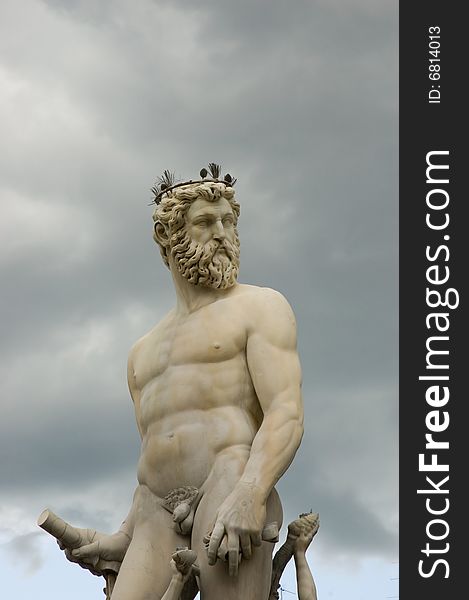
x: 204, y: 337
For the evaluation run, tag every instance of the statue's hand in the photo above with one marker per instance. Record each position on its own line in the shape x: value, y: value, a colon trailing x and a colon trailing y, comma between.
x: 183, y: 564
x: 303, y: 530
x: 238, y: 526
x: 101, y: 553
x: 303, y: 541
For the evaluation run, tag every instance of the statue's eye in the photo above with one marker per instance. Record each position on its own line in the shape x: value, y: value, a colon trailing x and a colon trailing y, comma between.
x: 228, y: 221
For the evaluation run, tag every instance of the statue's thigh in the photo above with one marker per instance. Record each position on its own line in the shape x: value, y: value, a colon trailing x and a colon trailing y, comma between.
x: 254, y: 575
x: 145, y: 572
x: 252, y: 582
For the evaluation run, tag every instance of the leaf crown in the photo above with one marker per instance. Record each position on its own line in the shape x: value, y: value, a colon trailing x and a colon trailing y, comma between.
x: 168, y: 182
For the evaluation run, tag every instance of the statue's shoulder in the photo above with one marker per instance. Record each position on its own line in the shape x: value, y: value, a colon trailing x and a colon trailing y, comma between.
x: 264, y: 304
x: 257, y: 295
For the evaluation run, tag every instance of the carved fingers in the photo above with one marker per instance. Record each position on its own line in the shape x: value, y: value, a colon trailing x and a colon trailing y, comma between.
x: 214, y: 541
x: 233, y: 545
x: 227, y: 547
x: 184, y: 562
x: 230, y: 546
x: 104, y: 553
x: 303, y: 530
x: 256, y: 539
x: 238, y: 527
x: 303, y: 541
x: 233, y: 554
x: 245, y: 543
x: 72, y: 556
x: 88, y: 554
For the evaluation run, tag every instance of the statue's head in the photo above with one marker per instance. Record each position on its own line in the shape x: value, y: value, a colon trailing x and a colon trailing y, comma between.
x: 195, y: 228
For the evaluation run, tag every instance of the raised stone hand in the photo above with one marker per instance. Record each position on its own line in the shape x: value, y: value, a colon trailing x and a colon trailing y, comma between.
x: 183, y: 567
x: 183, y: 563
x: 303, y: 541
x: 303, y: 530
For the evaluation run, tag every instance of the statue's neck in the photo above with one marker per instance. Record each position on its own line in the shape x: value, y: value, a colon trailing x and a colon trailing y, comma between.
x: 190, y: 297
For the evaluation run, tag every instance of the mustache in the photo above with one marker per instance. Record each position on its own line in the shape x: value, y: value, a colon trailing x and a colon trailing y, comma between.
x: 213, y: 246
x: 193, y: 253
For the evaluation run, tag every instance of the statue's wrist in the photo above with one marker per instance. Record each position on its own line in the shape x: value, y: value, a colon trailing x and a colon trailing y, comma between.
x: 255, y: 491
x: 178, y: 578
x: 299, y: 553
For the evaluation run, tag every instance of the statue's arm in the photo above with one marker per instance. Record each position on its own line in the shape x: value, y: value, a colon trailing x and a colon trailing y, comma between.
x: 304, y: 578
x: 275, y: 370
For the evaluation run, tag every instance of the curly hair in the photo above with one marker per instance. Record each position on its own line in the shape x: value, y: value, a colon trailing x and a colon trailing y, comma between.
x: 169, y: 215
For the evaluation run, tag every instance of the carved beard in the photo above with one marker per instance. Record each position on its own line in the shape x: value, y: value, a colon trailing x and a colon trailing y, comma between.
x: 199, y: 263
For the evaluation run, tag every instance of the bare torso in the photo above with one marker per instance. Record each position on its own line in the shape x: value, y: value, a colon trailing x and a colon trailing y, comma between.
x: 197, y: 405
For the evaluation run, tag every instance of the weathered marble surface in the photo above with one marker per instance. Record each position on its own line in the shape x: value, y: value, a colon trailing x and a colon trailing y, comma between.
x: 216, y: 387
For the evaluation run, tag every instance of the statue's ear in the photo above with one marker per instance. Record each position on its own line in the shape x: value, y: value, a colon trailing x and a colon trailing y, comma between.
x: 160, y: 234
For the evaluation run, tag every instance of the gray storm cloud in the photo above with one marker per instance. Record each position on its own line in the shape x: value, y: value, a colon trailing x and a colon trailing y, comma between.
x: 300, y: 103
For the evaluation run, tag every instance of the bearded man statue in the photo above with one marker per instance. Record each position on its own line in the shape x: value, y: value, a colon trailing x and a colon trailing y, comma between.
x: 216, y: 387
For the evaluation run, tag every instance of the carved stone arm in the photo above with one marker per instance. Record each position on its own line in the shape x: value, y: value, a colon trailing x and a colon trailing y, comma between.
x: 300, y: 534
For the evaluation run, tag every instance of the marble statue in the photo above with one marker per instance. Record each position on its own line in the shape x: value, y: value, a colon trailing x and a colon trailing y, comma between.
x: 216, y: 387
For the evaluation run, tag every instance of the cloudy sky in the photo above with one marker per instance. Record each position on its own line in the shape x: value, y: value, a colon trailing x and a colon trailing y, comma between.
x: 296, y: 99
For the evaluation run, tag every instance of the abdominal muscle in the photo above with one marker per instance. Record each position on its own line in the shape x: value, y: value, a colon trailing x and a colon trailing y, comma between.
x: 183, y: 449
x: 195, y: 418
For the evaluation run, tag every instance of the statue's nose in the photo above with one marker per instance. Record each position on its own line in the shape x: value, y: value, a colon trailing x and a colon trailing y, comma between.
x: 219, y: 231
